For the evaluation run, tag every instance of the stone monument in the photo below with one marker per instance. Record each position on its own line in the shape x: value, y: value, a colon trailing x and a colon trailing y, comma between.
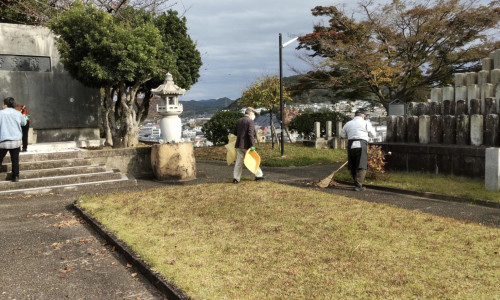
x: 173, y: 159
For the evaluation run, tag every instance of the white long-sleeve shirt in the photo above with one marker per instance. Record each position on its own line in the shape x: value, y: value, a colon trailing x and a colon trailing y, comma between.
x: 358, y: 129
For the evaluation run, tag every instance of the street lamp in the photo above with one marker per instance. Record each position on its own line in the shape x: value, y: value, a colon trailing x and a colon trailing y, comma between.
x: 281, y: 46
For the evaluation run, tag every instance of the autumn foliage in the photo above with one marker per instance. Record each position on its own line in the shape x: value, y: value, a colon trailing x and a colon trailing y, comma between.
x: 376, y: 162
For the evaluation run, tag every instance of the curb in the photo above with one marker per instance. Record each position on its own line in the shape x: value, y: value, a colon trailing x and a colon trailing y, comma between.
x: 430, y: 195
x: 168, y: 289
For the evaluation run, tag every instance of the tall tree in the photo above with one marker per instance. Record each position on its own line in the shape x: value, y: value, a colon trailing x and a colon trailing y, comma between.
x: 265, y: 92
x: 400, y: 50
x: 123, y: 55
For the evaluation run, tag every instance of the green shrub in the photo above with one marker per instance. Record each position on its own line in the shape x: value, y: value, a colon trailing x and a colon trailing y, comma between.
x: 304, y: 123
x: 220, y: 125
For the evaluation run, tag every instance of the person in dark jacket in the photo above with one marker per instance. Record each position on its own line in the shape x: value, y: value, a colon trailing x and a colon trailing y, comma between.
x: 245, y: 139
x: 11, y: 135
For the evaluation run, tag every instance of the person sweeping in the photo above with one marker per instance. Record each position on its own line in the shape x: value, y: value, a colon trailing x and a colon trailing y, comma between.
x: 357, y: 131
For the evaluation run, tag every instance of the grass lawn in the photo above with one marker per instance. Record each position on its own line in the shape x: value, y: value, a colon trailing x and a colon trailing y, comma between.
x: 295, y: 155
x: 263, y: 240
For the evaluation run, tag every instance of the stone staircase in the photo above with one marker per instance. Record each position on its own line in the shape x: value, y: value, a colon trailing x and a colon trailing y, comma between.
x: 61, y: 171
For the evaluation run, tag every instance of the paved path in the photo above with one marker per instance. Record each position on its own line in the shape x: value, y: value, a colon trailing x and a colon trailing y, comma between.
x: 46, y: 252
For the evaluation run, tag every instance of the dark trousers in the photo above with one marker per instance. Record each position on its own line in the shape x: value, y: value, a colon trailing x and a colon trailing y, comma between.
x: 357, y: 174
x: 25, y: 129
x: 14, y: 158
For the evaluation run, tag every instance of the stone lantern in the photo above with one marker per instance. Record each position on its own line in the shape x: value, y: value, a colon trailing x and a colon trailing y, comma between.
x: 174, y: 159
x: 170, y: 109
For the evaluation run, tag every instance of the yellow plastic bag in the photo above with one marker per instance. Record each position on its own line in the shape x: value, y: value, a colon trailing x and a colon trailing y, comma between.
x: 252, y: 161
x: 231, y: 150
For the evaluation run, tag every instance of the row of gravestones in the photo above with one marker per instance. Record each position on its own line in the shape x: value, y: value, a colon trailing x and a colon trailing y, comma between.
x: 475, y: 130
x: 452, y: 107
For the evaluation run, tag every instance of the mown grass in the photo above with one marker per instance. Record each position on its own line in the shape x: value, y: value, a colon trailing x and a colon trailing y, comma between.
x: 262, y: 240
x: 295, y: 155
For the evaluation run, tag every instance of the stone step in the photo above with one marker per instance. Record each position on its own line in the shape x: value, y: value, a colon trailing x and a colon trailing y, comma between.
x: 31, y: 157
x: 60, y: 180
x: 122, y: 182
x: 47, y: 164
x: 29, y: 174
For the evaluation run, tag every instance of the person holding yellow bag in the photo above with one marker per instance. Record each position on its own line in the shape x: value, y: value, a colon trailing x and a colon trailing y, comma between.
x: 245, y: 140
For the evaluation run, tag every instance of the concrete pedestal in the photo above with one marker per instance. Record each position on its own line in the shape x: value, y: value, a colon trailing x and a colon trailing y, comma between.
x: 492, y: 169
x: 173, y: 161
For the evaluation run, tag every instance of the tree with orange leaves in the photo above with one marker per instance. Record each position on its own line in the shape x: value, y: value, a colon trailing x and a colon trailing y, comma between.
x: 402, y: 49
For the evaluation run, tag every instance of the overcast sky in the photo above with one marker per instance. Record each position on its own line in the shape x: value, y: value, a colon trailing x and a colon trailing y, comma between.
x: 238, y: 41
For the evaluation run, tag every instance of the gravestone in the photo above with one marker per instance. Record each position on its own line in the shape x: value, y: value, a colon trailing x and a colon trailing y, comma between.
x: 462, y: 130
x: 62, y: 109
x: 492, y: 169
x: 460, y: 80
x: 491, y: 130
x: 424, y: 129
x: 449, y: 130
x: 487, y: 64
x: 461, y: 107
x: 470, y: 78
x: 447, y: 110
x: 329, y: 129
x: 412, y: 129
x: 400, y: 129
x: 483, y: 77
x: 476, y: 130
x: 434, y: 108
x: 436, y: 129
x: 490, y: 106
x: 391, y: 128
x: 475, y: 107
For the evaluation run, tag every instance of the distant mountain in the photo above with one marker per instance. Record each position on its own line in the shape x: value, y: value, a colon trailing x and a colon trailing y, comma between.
x: 204, y: 107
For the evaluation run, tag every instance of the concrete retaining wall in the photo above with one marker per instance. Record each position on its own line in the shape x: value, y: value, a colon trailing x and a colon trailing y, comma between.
x: 134, y: 161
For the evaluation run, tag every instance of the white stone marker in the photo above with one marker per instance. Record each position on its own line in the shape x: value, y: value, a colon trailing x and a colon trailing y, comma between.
x: 424, y: 129
x: 487, y: 91
x: 461, y: 93
x: 460, y: 79
x: 448, y: 93
x: 317, y: 130
x: 495, y: 76
x: 436, y: 95
x: 492, y: 169
x: 473, y: 92
x: 329, y: 129
x: 476, y: 130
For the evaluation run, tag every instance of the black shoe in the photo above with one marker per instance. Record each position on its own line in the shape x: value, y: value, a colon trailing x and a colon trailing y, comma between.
x: 235, y: 181
x: 260, y: 178
x: 15, y: 178
x: 24, y: 150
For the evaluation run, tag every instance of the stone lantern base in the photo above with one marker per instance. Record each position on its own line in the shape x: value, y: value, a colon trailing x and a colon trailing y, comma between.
x: 173, y: 161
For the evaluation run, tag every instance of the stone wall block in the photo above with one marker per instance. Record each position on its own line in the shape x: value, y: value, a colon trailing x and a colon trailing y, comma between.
x: 491, y: 130
x: 436, y: 129
x: 400, y: 129
x: 449, y: 130
x: 476, y: 130
x: 424, y: 129
x: 412, y: 129
x: 462, y: 130
x: 487, y: 64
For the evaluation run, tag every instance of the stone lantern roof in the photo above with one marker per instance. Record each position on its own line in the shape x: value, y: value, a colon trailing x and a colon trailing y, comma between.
x: 168, y: 87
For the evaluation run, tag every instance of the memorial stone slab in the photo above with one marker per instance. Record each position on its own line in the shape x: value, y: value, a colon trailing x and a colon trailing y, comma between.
x: 496, y: 59
x: 424, y: 129
x: 475, y: 107
x: 391, y: 128
x: 461, y: 107
x: 461, y: 93
x: 462, y: 130
x: 422, y: 109
x: 317, y: 130
x: 460, y: 79
x: 434, y: 108
x: 436, y: 129
x: 400, y: 129
x: 483, y: 77
x: 329, y: 129
x: 495, y: 76
x: 436, y: 95
x: 490, y: 106
x: 470, y: 78
x: 487, y: 91
x: 491, y: 130
x: 448, y: 93
x: 473, y: 92
x: 492, y: 169
x: 487, y: 64
x: 446, y: 107
x: 338, y: 129
x: 449, y: 130
x: 476, y: 130
x: 412, y: 129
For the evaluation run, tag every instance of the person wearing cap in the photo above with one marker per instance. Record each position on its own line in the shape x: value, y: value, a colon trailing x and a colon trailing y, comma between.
x: 245, y: 139
x: 357, y: 131
x: 11, y: 135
